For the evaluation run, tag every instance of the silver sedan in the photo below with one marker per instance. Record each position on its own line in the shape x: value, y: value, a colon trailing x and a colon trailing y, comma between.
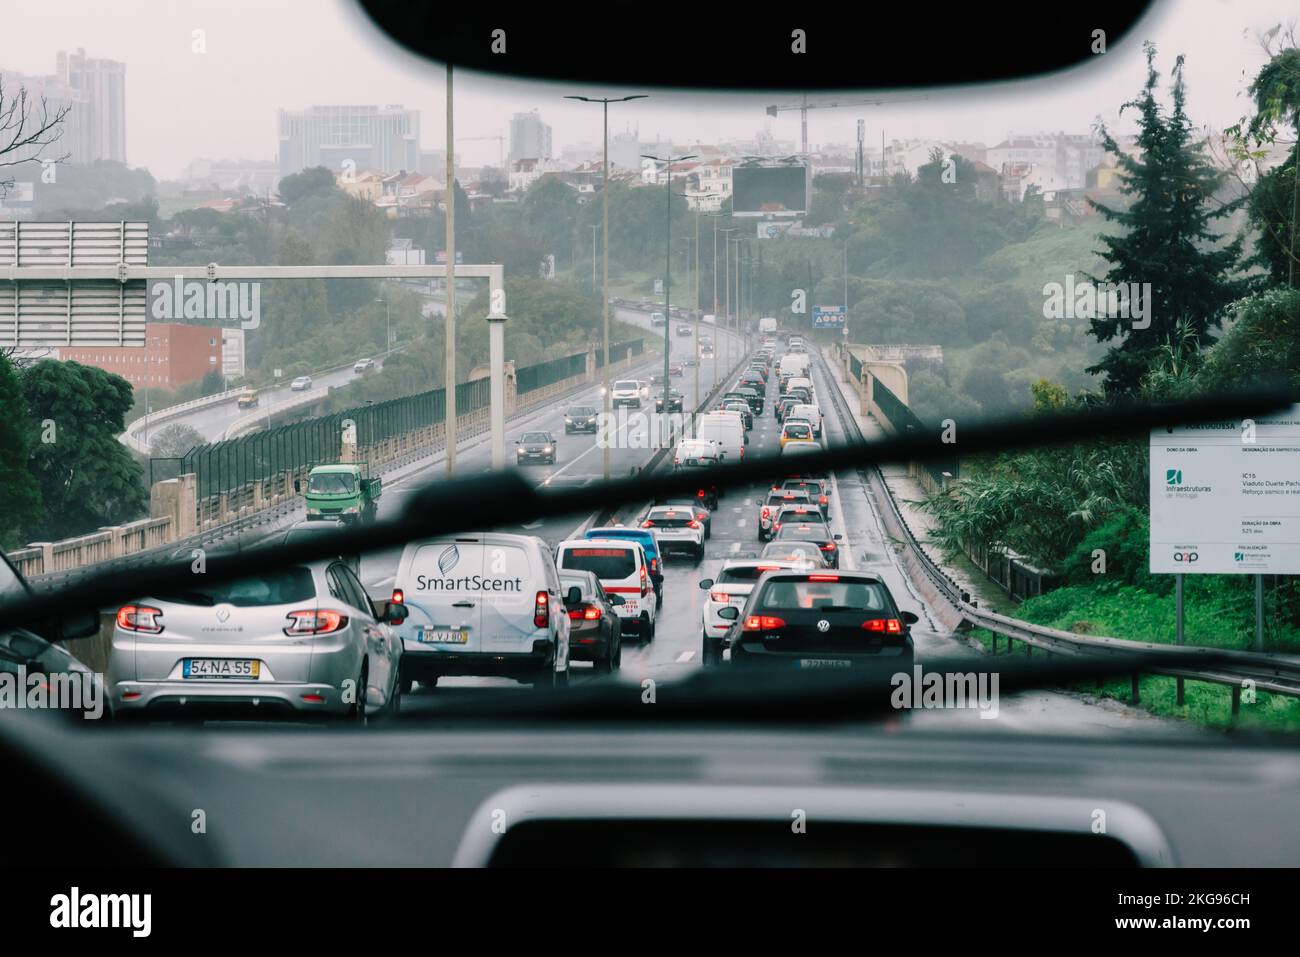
x: 298, y: 641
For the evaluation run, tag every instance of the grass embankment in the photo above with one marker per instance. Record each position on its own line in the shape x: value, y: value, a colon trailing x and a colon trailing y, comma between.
x: 1217, y: 614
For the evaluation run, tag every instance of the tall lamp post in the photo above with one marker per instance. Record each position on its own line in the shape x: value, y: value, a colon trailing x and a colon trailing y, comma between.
x: 699, y: 197
x: 726, y: 267
x: 388, y: 312
x: 667, y: 163
x: 604, y: 296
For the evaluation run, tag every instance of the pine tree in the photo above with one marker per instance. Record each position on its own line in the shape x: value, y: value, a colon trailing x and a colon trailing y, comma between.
x: 1168, y: 240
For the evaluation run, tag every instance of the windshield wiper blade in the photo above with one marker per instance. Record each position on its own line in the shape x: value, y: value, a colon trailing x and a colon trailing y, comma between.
x: 505, y: 498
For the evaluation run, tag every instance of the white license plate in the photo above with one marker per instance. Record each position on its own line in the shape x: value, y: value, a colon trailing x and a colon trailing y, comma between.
x: 442, y: 636
x: 221, y: 668
x: 825, y: 663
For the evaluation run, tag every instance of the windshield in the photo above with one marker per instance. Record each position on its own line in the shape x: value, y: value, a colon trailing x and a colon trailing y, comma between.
x: 1010, y: 322
x: 332, y: 483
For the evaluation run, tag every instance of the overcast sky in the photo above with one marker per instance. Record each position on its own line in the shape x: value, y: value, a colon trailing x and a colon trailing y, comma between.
x: 263, y: 55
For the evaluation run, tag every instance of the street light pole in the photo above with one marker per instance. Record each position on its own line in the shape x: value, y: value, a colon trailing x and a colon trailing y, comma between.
x: 388, y: 312
x: 449, y: 389
x: 593, y: 257
x: 604, y: 191
x: 726, y: 265
x: 668, y: 261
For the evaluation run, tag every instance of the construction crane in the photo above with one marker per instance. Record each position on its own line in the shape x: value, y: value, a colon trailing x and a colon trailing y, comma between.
x: 804, y: 105
x: 501, y: 146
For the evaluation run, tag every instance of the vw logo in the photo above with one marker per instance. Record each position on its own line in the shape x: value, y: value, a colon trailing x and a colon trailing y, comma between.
x: 223, y: 613
x: 823, y: 625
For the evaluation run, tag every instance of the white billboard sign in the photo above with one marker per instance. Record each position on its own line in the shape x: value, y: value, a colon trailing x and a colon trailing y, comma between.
x: 1225, y: 497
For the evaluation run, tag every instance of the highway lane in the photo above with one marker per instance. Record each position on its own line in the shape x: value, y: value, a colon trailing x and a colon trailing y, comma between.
x: 213, y: 420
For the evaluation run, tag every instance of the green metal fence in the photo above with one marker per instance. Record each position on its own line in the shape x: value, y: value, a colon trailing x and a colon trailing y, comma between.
x: 234, y: 463
x: 907, y: 422
x: 618, y: 351
x: 855, y: 367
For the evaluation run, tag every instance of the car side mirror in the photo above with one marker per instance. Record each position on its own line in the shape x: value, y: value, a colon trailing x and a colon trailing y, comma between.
x: 573, y: 596
x: 730, y: 613
x: 616, y: 599
x: 297, y: 485
x: 394, y: 613
x: 706, y: 583
x: 838, y: 537
x: 910, y: 617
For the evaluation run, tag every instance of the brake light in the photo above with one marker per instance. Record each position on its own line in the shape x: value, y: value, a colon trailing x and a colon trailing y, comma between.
x: 700, y: 494
x: 767, y: 512
x: 586, y: 612
x: 823, y: 578
x: 399, y: 597
x: 828, y: 547
x: 140, y: 618
x: 643, y: 588
x: 890, y: 626
x: 654, y: 567
x: 763, y: 623
x: 647, y: 524
x: 692, y: 524
x: 541, y: 610
x: 719, y: 596
x: 314, y: 621
x: 823, y: 500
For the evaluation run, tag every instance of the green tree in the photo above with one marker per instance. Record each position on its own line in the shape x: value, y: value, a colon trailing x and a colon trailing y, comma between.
x: 174, y: 440
x: 21, y: 502
x: 314, y: 181
x: 1167, y: 239
x: 1276, y: 94
x: 87, y: 477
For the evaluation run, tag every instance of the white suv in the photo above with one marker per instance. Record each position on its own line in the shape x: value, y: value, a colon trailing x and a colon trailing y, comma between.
x: 626, y: 392
x: 677, y: 529
x: 730, y: 589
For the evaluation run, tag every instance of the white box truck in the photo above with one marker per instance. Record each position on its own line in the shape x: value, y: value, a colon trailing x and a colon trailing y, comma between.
x: 767, y: 325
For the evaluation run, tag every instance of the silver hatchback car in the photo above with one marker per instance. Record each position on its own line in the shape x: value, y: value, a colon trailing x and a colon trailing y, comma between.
x: 298, y: 641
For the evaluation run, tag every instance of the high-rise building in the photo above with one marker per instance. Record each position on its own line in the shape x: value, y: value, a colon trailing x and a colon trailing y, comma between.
x: 367, y: 137
x: 94, y: 91
x: 530, y: 138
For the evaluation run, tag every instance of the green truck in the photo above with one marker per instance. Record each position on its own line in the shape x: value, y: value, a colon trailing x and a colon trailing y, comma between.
x: 342, y: 491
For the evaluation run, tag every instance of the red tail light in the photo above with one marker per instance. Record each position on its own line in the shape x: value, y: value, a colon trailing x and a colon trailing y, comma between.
x: 721, y: 596
x: 643, y: 587
x: 314, y: 621
x: 763, y: 623
x: 823, y: 500
x: 823, y: 578
x: 140, y: 618
x: 767, y: 512
x: 542, y: 610
x: 647, y: 524
x: 700, y: 494
x: 692, y: 524
x: 585, y: 613
x: 399, y: 597
x: 828, y: 547
x: 890, y: 626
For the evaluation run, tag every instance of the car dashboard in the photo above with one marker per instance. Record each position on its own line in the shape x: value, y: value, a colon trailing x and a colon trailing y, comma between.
x: 446, y: 793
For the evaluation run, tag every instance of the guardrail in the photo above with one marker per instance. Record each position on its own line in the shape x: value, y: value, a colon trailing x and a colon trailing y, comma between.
x: 1276, y: 673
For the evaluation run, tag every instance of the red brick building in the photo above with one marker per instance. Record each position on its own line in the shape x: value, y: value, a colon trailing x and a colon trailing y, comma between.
x: 173, y: 355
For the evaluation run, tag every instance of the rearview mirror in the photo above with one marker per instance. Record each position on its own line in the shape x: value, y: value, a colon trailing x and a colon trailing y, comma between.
x: 730, y: 613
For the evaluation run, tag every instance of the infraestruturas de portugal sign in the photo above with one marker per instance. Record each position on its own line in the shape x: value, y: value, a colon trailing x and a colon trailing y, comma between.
x: 1225, y: 497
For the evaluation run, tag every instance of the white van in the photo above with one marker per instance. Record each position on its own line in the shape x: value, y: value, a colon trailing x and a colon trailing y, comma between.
x: 810, y: 412
x: 625, y: 392
x: 620, y: 565
x: 800, y: 382
x: 793, y: 364
x: 726, y: 430
x: 482, y: 604
x: 709, y: 319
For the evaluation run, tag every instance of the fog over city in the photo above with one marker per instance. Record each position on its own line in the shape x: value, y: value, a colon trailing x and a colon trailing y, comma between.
x: 221, y: 104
